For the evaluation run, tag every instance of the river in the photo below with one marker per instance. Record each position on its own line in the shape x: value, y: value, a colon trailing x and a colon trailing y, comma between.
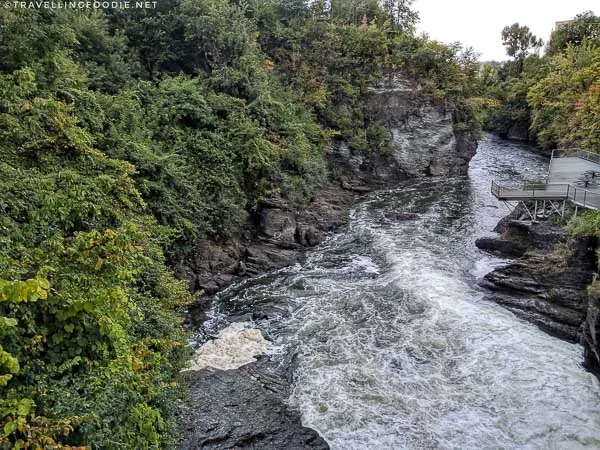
x: 396, y: 347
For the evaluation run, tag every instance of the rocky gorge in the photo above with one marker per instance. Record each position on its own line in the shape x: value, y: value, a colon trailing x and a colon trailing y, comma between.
x: 236, y: 224
x: 425, y: 141
x: 246, y: 407
x: 363, y: 333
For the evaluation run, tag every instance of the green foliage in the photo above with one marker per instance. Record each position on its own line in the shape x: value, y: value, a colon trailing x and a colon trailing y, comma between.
x: 81, y: 273
x: 565, y: 102
x: 555, y: 97
x: 506, y: 94
x: 585, y: 26
x: 126, y: 136
x: 586, y: 224
x: 108, y: 61
x: 449, y: 72
x: 519, y: 41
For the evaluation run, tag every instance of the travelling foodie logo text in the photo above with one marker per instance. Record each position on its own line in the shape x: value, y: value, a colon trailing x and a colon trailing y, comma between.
x: 80, y: 4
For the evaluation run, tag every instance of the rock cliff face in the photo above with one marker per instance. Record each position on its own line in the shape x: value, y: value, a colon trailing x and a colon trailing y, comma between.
x: 425, y: 139
x: 274, y: 237
x: 547, y: 286
x: 591, y: 334
x: 548, y: 283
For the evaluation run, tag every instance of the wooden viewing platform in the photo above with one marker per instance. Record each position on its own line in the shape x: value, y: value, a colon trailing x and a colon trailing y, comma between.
x: 573, y: 176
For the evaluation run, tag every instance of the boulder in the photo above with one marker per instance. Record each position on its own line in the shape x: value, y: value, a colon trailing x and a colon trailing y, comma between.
x: 243, y: 408
x: 501, y: 247
x: 274, y: 221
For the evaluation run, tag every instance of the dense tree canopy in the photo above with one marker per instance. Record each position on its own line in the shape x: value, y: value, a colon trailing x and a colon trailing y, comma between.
x: 585, y: 26
x: 127, y: 135
x: 555, y: 97
x: 565, y: 103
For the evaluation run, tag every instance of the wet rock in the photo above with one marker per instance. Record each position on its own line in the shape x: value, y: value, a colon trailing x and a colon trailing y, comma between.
x: 537, y: 235
x: 591, y: 333
x: 274, y: 221
x: 198, y: 313
x: 209, y: 286
x: 269, y: 256
x: 216, y: 256
x: 547, y: 285
x: 501, y: 247
x: 312, y: 237
x: 241, y: 269
x: 518, y: 213
x: 243, y: 409
x: 558, y: 321
x: 355, y: 188
x: 517, y: 236
x: 224, y: 279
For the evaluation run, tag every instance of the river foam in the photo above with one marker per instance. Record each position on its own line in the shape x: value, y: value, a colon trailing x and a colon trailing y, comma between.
x: 235, y: 346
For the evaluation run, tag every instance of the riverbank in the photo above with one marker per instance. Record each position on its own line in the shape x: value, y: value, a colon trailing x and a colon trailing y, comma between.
x: 547, y: 284
x: 246, y: 407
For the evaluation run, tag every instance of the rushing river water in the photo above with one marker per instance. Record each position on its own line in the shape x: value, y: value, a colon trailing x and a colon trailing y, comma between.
x: 396, y: 348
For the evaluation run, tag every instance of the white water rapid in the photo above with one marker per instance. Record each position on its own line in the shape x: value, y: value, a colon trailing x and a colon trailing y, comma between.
x: 396, y: 348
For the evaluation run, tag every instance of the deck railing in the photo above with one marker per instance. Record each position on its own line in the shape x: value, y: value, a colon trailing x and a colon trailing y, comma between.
x: 542, y: 191
x: 532, y: 190
x: 576, y: 152
x: 584, y: 197
x: 555, y: 191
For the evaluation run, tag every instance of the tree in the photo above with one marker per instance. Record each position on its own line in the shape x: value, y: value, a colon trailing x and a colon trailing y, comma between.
x: 583, y: 26
x: 519, y: 41
x: 400, y: 12
x: 565, y: 102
